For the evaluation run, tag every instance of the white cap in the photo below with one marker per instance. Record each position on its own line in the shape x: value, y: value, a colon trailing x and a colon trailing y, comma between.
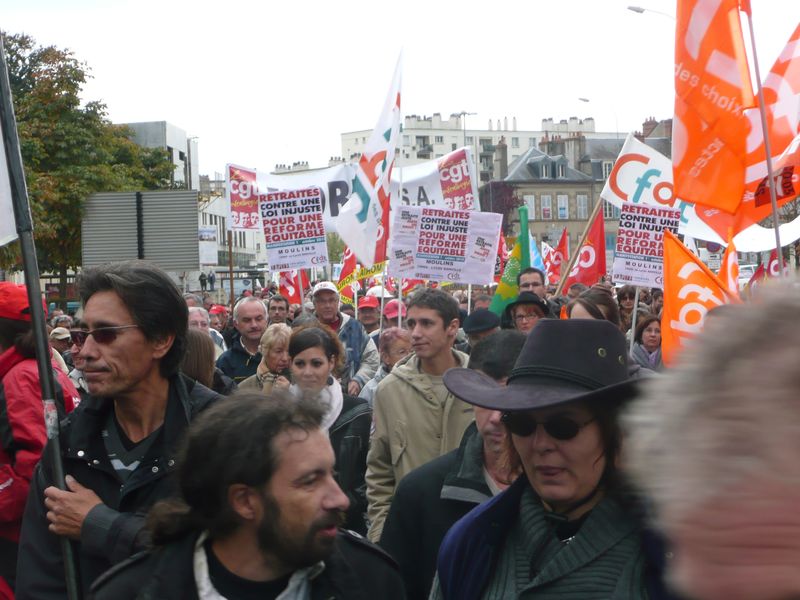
x: 379, y: 290
x: 324, y: 286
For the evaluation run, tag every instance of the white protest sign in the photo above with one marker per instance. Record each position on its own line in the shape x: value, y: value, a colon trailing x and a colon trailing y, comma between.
x: 639, y: 256
x: 458, y: 246
x: 293, y: 229
x: 207, y: 241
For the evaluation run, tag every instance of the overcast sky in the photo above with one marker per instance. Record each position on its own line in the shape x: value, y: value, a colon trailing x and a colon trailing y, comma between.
x: 262, y: 83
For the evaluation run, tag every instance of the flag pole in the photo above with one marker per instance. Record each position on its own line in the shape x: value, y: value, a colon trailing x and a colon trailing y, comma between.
x: 633, y: 320
x: 24, y: 224
x: 469, y: 298
x: 574, y: 257
x: 767, y: 146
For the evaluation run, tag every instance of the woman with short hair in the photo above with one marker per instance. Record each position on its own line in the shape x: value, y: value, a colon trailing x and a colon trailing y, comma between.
x: 273, y: 370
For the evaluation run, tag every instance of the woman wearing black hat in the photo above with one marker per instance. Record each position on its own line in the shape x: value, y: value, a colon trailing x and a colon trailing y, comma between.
x: 562, y: 529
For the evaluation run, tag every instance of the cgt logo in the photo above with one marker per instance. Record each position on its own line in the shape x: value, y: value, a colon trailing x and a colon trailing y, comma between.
x: 585, y: 260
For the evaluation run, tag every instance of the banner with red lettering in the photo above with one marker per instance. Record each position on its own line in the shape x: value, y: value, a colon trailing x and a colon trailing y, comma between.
x: 458, y: 246
x: 348, y: 284
x: 690, y: 291
x: 591, y: 263
x: 293, y: 229
x: 639, y: 255
x: 241, y: 191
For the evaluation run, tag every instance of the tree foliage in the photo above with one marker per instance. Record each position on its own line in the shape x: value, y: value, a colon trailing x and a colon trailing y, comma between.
x: 69, y: 150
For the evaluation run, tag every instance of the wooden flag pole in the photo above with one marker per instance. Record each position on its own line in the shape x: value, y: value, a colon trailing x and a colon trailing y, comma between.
x: 767, y: 147
x: 574, y: 257
x: 230, y: 267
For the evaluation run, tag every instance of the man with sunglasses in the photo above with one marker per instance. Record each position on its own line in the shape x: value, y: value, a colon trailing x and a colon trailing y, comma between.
x: 118, y: 449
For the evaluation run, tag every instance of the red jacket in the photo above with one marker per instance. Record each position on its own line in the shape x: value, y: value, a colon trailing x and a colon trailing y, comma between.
x: 22, y: 432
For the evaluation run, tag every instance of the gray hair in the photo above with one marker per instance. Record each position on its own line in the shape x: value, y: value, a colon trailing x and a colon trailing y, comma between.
x: 247, y: 300
x: 199, y: 309
x: 729, y: 409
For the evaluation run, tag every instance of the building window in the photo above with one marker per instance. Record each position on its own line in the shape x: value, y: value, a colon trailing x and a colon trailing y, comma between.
x: 453, y: 146
x: 610, y: 211
x: 515, y: 142
x: 582, y: 201
x: 531, y: 204
x: 438, y: 139
x: 562, y: 171
x: 607, y: 167
x: 470, y: 140
x: 544, y: 170
x: 547, y: 207
x: 563, y: 206
x: 531, y: 142
x: 406, y: 140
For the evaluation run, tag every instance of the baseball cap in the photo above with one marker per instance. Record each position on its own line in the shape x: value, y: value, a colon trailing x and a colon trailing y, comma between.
x: 390, y: 309
x: 368, y: 302
x: 324, y: 286
x: 217, y: 309
x: 59, y: 333
x: 14, y: 302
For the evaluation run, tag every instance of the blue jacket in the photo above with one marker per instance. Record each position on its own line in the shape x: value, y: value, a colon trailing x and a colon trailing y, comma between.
x: 237, y: 363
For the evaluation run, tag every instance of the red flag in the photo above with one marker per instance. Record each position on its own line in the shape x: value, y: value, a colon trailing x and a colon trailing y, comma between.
x: 712, y: 91
x: 347, y: 283
x: 288, y: 287
x: 590, y: 265
x: 554, y: 258
x: 774, y: 266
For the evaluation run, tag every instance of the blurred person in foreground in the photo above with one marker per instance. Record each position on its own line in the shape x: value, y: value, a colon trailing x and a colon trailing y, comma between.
x: 563, y: 528
x: 274, y: 367
x: 259, y: 515
x: 715, y: 445
x: 434, y: 496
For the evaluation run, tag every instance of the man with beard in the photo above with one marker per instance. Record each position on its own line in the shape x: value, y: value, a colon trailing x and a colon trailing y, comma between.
x: 258, y: 516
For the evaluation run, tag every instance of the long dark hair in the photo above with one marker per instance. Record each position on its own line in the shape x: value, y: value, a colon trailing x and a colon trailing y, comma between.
x: 231, y: 442
x: 19, y: 335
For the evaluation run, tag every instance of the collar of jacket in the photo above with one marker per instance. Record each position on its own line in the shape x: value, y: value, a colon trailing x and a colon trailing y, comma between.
x: 173, y: 575
x: 408, y: 370
x: 83, y: 440
x: 9, y: 359
x: 465, y: 481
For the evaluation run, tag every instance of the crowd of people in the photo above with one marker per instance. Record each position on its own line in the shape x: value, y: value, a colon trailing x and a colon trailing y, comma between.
x: 423, y: 447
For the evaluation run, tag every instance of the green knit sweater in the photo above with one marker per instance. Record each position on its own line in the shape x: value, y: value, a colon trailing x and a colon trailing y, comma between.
x: 602, y: 562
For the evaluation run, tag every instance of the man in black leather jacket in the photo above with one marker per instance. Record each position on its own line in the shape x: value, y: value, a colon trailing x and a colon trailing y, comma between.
x: 259, y: 515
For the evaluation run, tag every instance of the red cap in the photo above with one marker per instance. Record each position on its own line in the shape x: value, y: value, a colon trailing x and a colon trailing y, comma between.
x: 390, y: 309
x: 217, y: 309
x: 14, y: 302
x: 368, y: 302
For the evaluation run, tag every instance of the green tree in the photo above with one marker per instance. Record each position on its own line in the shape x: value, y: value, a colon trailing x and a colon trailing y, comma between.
x: 69, y: 151
x: 335, y: 248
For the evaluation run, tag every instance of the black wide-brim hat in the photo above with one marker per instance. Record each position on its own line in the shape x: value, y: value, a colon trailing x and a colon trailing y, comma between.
x: 529, y: 298
x: 562, y: 361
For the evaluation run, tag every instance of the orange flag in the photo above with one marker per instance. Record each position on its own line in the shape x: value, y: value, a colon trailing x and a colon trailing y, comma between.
x: 690, y: 291
x: 729, y: 269
x: 591, y: 263
x: 712, y: 91
x: 782, y: 101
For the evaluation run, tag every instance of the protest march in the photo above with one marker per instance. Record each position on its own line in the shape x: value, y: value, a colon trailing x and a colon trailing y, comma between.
x: 451, y: 364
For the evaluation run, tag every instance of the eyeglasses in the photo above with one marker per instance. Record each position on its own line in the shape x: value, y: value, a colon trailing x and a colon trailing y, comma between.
x: 626, y: 297
x: 528, y: 317
x: 559, y: 428
x: 101, y: 335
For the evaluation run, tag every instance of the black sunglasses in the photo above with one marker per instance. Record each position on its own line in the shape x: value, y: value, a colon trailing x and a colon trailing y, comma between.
x: 101, y: 335
x: 627, y: 297
x: 558, y: 427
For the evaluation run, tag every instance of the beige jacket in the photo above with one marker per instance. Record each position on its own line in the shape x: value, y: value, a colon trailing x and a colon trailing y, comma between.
x: 410, y: 428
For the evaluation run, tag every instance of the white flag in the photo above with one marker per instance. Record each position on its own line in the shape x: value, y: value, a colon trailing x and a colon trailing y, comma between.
x: 362, y: 223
